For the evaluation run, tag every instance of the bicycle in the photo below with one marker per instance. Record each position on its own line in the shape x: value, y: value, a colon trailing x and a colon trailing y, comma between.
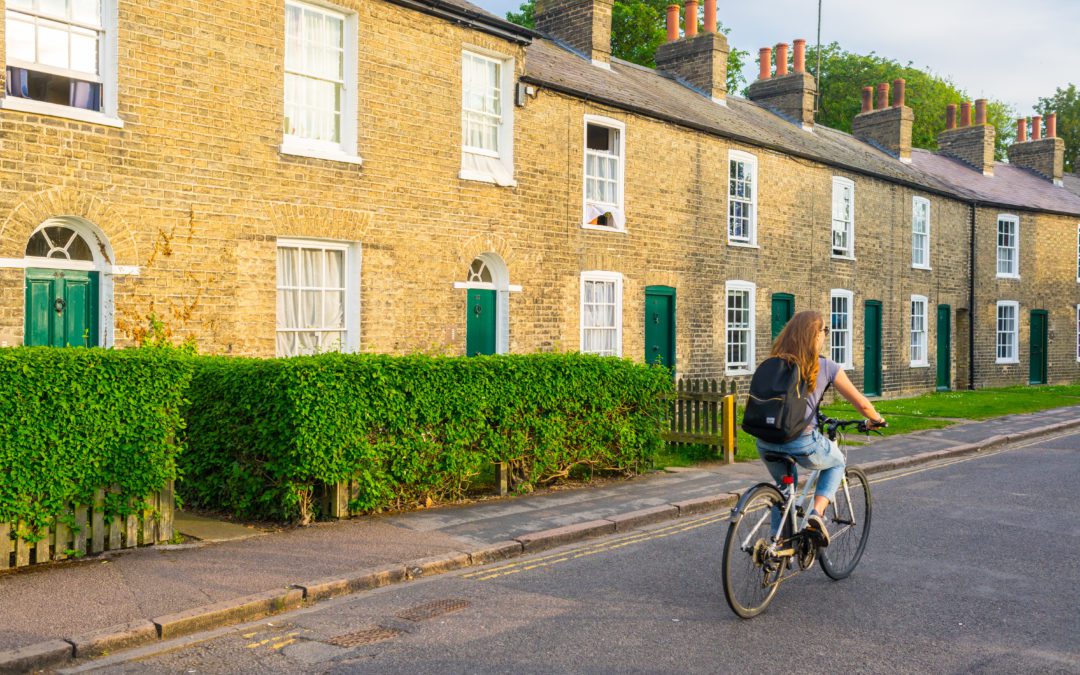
x: 767, y: 536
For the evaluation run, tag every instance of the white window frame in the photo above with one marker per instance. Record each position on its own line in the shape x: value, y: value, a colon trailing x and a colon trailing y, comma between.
x: 107, y: 76
x: 1015, y: 333
x: 346, y: 149
x: 744, y: 157
x: 847, y: 361
x: 620, y: 127
x: 1015, y: 221
x: 751, y: 360
x: 352, y: 259
x: 596, y: 275
x: 474, y: 159
x: 917, y: 204
x: 919, y: 359
x: 839, y: 185
x: 1078, y: 333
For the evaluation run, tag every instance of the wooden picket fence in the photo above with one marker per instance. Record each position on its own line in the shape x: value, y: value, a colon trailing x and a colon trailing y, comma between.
x: 703, y: 413
x: 92, y: 532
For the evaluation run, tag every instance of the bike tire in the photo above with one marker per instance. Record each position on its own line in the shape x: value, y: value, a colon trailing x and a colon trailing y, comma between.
x: 848, y: 521
x: 746, y: 581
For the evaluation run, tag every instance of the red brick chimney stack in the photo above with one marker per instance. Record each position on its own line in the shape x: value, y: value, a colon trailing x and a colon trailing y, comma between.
x: 800, y: 56
x: 690, y: 22
x: 1045, y: 156
x: 1021, y: 130
x: 884, y: 126
x: 710, y: 16
x: 781, y: 59
x: 950, y: 116
x: 973, y: 145
x: 698, y: 60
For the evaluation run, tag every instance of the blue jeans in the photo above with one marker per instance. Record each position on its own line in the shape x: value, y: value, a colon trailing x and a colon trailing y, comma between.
x: 811, y: 451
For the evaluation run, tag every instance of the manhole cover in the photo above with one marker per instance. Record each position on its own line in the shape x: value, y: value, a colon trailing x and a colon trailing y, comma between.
x: 366, y: 636
x: 430, y: 610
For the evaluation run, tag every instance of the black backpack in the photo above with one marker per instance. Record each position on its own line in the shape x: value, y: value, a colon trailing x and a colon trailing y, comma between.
x: 776, y: 406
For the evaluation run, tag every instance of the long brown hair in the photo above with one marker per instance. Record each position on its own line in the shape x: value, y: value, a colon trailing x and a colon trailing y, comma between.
x: 796, y: 343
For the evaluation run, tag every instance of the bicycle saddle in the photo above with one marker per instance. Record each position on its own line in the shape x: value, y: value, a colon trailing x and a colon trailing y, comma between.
x: 778, y: 457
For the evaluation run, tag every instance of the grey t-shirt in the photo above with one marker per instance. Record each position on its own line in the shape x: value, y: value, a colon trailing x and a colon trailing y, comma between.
x: 827, y: 371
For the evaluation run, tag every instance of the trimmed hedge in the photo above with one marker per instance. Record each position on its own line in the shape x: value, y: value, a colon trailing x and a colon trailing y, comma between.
x: 75, y: 420
x: 262, y: 434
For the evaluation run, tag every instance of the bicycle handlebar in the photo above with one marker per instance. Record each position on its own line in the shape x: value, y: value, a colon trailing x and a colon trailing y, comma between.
x: 831, y: 425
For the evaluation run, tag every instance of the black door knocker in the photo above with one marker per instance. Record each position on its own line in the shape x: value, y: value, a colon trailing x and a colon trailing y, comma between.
x: 59, y: 305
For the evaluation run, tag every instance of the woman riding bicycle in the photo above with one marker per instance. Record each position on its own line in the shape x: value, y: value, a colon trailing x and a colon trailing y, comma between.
x: 801, y: 343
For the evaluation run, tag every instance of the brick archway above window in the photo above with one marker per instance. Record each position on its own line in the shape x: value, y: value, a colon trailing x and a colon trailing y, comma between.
x: 480, y: 244
x: 34, y: 210
x: 302, y: 220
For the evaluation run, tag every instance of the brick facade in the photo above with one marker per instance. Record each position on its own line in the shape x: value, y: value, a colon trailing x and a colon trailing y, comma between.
x: 193, y: 193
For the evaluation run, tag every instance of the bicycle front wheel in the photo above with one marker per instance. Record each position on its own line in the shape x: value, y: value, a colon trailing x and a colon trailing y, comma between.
x: 750, y: 574
x: 848, y: 520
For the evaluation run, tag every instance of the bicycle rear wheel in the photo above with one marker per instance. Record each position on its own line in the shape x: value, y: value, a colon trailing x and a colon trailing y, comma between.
x: 749, y: 574
x: 848, y: 520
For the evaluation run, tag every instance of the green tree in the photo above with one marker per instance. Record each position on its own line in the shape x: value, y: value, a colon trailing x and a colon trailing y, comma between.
x: 844, y: 74
x: 638, y: 27
x: 1066, y: 103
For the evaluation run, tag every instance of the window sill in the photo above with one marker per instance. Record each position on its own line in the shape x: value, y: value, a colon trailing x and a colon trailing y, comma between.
x: 741, y: 371
x: 27, y: 105
x: 602, y: 228
x: 739, y: 244
x: 919, y: 364
x: 843, y: 257
x: 1015, y: 277
x: 481, y: 177
x: 320, y: 153
x: 921, y: 267
x: 1007, y: 362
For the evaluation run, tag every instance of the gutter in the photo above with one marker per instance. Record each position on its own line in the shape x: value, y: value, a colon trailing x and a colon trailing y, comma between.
x: 470, y: 19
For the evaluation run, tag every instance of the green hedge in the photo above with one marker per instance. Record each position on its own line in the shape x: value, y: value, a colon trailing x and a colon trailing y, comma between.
x: 262, y: 434
x: 75, y: 420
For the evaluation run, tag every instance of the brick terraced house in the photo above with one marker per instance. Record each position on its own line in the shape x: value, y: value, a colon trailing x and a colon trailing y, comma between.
x: 407, y: 175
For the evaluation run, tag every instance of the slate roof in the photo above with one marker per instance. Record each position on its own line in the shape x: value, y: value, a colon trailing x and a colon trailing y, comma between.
x: 1072, y: 183
x: 1010, y: 185
x: 632, y: 87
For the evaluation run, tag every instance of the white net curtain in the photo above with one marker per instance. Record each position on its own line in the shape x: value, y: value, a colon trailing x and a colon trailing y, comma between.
x: 311, y: 300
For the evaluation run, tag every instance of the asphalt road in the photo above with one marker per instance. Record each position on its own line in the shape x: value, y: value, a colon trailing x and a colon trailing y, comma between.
x: 972, y: 566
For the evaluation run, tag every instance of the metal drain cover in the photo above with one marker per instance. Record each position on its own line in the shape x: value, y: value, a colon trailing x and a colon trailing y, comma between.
x: 430, y: 610
x: 366, y: 636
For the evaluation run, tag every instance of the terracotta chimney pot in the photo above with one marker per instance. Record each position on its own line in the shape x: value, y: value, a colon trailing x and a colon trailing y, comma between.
x: 867, y: 99
x: 965, y: 114
x: 781, y: 59
x: 980, y: 111
x: 800, y: 56
x: 1036, y: 127
x: 1021, y: 130
x: 883, y: 96
x: 672, y: 23
x: 950, y: 116
x: 690, y: 23
x: 765, y: 56
x: 1051, y: 125
x: 899, y: 92
x: 710, y: 16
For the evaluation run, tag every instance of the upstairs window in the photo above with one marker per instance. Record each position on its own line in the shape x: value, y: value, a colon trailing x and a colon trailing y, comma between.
x: 55, y: 52
x: 843, y: 218
x: 320, y: 90
x: 920, y: 233
x: 604, y: 173
x: 742, y: 199
x: 486, y: 118
x: 840, y: 327
x: 1008, y: 247
x: 918, y: 331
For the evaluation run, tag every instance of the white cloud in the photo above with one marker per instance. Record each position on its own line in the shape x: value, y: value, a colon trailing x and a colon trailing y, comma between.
x: 1001, y: 49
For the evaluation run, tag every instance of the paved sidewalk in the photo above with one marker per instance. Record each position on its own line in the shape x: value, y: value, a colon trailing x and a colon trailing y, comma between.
x: 65, y: 601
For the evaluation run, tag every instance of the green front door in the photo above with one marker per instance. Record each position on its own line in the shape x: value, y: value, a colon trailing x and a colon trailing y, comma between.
x: 480, y: 327
x: 872, y: 349
x: 1038, y: 368
x: 783, y: 308
x: 660, y: 326
x: 61, y: 308
x: 944, y: 347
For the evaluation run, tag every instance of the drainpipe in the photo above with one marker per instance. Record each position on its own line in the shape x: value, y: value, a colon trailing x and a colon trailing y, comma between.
x: 971, y: 300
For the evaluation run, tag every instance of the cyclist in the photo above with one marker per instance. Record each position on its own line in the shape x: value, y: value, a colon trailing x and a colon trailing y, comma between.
x: 801, y: 343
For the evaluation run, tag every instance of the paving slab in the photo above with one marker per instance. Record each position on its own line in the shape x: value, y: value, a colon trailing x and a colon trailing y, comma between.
x: 211, y: 529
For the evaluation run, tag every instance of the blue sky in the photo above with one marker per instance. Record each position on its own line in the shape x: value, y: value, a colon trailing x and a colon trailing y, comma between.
x: 1011, y: 50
